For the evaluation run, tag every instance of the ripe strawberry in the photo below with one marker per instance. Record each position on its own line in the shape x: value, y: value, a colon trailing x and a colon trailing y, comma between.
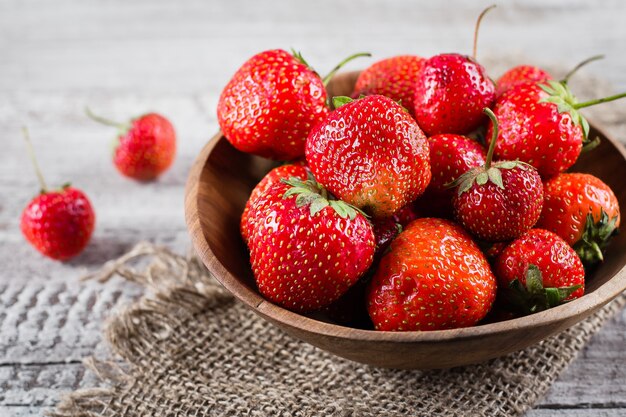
x: 306, y: 250
x: 450, y: 156
x: 451, y: 91
x: 392, y: 77
x: 527, y: 73
x: 539, y: 271
x: 582, y: 210
x: 145, y: 146
x: 297, y: 169
x: 541, y: 124
x: 434, y: 277
x: 387, y: 228
x: 370, y: 153
x: 499, y: 201
x: 57, y: 223
x: 271, y: 104
x: 519, y: 75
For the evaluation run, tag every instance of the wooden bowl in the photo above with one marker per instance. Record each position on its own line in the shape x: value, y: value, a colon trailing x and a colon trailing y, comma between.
x: 219, y: 185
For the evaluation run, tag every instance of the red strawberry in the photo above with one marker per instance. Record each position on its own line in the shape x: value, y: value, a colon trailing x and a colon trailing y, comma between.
x: 145, y: 146
x: 392, y: 77
x: 450, y: 156
x: 451, y: 91
x: 297, y: 169
x: 272, y: 102
x: 499, y: 201
x: 57, y: 223
x: 370, y: 153
x: 582, y: 210
x: 527, y: 73
x: 306, y: 250
x: 539, y: 270
x: 387, y: 228
x: 541, y: 124
x: 519, y: 75
x: 434, y: 277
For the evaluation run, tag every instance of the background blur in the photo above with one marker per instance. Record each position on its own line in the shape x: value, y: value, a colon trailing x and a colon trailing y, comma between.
x: 124, y: 58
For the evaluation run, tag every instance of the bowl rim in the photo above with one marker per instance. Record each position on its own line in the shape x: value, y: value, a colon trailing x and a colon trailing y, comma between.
x: 587, y: 303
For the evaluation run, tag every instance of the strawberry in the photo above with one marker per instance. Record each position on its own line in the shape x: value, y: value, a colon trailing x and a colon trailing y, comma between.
x: 498, y: 201
x: 528, y: 73
x: 450, y: 156
x: 145, y: 146
x: 387, y: 228
x: 370, y: 153
x: 271, y: 104
x: 57, y: 223
x: 433, y: 277
x: 306, y: 249
x: 392, y: 77
x: 297, y: 169
x: 541, y: 124
x: 582, y: 210
x: 451, y: 91
x: 519, y: 75
x: 539, y: 271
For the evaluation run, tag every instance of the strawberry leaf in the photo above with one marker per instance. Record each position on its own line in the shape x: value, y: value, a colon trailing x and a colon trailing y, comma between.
x: 482, y: 178
x: 507, y: 164
x: 318, y: 204
x: 596, y: 237
x: 339, y: 101
x: 533, y: 296
x: 495, y: 176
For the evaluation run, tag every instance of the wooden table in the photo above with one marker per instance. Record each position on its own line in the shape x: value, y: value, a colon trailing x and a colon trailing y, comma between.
x: 124, y: 58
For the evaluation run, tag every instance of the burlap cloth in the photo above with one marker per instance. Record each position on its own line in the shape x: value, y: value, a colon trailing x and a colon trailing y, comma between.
x: 187, y: 348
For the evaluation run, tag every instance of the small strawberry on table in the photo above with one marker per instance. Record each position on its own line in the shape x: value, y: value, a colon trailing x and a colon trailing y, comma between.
x: 58, y: 223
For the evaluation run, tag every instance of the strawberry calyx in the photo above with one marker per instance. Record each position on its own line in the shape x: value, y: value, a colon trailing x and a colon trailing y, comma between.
x: 560, y: 94
x: 298, y: 56
x: 326, y: 79
x: 339, y: 101
x: 488, y: 172
x: 533, y: 296
x: 311, y: 193
x: 595, y: 238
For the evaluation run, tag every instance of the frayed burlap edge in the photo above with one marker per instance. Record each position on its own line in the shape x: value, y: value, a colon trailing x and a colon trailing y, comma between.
x: 180, y: 288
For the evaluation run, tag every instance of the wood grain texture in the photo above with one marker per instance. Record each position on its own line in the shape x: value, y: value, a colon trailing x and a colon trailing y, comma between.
x: 123, y: 58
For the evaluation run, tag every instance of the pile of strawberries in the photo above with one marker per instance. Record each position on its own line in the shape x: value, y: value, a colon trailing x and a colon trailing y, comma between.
x: 392, y: 208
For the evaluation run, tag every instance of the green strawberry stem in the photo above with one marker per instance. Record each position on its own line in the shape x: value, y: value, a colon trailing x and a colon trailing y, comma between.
x: 480, y: 18
x: 598, y: 101
x: 494, y: 136
x: 579, y: 66
x: 330, y: 75
x: 31, y: 154
x: 106, y: 122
